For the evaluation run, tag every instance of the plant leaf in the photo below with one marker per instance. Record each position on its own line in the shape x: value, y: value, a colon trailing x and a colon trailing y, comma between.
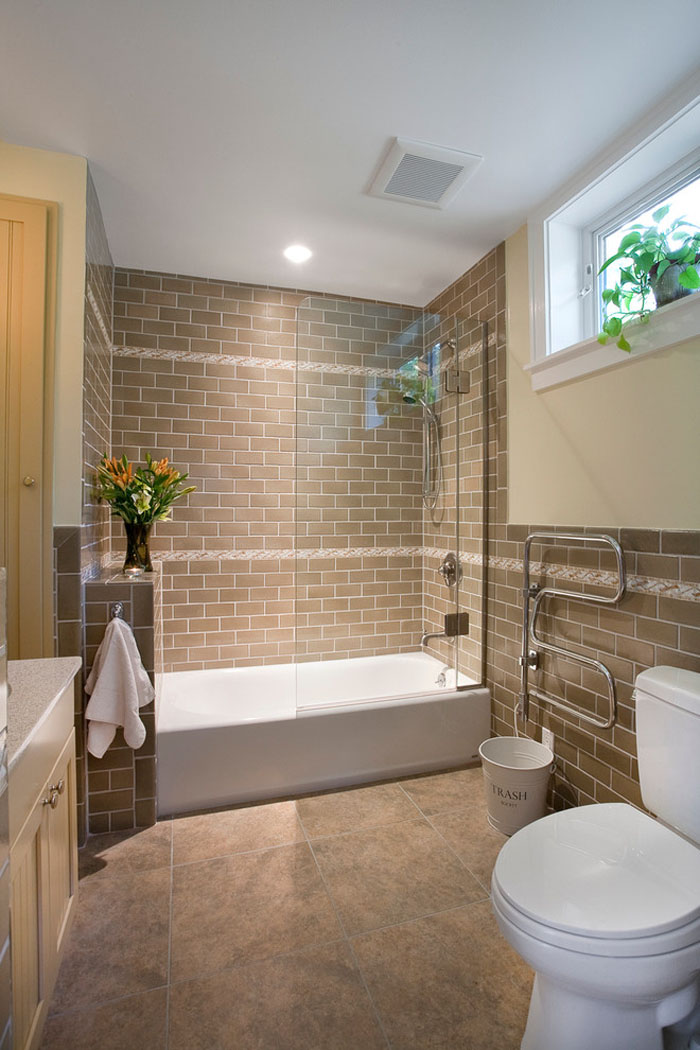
x: 689, y: 278
x: 623, y: 344
x: 660, y: 213
x: 613, y: 326
x: 608, y: 294
x: 628, y: 240
x: 602, y: 338
x: 612, y: 259
x: 663, y: 267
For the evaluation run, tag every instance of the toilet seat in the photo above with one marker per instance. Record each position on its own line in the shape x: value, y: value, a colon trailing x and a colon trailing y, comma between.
x: 604, y: 880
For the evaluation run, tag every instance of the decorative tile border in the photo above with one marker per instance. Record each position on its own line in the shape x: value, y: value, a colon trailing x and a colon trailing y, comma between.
x: 99, y: 318
x: 598, y: 578
x: 689, y: 592
x: 252, y: 362
x: 201, y: 357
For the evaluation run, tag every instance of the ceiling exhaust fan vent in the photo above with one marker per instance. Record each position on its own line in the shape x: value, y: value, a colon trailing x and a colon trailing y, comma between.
x: 418, y: 173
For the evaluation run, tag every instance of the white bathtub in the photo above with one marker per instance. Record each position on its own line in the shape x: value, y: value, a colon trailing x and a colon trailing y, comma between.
x: 235, y: 735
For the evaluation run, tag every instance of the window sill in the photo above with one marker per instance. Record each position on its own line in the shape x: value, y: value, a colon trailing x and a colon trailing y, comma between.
x: 667, y: 327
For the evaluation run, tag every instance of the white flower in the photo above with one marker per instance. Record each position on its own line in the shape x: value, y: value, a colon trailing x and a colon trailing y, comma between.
x: 142, y: 501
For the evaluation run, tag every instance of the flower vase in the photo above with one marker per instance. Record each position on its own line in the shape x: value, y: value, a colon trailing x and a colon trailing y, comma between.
x: 138, y: 556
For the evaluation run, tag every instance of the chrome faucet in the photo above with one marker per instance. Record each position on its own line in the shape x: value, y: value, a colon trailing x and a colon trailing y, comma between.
x: 436, y: 634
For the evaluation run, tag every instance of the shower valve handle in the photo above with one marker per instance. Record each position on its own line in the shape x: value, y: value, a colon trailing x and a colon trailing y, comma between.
x: 450, y: 569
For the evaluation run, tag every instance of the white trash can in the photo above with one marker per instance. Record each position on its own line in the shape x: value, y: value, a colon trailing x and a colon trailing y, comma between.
x: 516, y: 777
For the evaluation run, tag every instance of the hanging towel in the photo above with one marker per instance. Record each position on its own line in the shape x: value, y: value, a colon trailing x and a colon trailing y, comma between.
x: 119, y: 686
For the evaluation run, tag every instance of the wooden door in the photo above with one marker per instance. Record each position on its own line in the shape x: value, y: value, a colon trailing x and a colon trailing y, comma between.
x: 27, y: 230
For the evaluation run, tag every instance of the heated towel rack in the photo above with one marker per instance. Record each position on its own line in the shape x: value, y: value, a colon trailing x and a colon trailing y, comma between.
x: 533, y: 644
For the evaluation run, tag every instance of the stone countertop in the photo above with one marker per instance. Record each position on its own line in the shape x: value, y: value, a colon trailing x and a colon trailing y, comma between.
x: 35, y: 686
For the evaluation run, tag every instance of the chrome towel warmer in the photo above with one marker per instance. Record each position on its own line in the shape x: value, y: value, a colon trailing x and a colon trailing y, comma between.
x: 533, y: 644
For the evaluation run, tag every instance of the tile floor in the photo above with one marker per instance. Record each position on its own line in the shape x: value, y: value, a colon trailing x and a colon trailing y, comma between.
x: 354, y: 920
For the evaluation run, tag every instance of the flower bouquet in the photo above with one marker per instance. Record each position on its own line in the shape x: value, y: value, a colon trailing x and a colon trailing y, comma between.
x: 139, y: 497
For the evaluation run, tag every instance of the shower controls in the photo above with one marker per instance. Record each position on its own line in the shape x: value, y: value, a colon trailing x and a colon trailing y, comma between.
x: 450, y: 569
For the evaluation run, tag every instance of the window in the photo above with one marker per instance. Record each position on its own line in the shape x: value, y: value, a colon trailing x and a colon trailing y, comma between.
x: 574, y: 232
x: 683, y: 203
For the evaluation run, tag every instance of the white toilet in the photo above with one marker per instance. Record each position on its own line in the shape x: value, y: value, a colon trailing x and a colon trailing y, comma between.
x: 603, y: 901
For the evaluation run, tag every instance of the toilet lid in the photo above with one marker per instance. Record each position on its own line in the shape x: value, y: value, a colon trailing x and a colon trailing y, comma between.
x: 606, y: 870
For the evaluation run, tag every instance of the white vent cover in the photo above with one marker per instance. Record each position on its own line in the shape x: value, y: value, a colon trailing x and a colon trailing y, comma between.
x: 418, y: 173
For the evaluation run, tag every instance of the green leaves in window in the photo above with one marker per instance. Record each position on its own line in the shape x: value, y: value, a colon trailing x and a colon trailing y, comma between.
x: 689, y: 278
x: 660, y: 266
x: 661, y: 213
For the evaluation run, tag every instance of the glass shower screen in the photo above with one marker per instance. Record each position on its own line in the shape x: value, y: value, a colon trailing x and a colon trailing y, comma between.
x: 377, y: 447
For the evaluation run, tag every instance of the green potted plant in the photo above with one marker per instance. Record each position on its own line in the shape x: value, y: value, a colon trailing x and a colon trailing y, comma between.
x: 139, y: 497
x: 660, y: 261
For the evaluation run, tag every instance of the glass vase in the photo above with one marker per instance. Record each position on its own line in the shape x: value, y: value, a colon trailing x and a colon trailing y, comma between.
x: 138, y: 556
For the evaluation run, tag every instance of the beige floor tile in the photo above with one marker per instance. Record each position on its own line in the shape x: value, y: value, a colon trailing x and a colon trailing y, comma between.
x: 206, y: 835
x: 472, y: 837
x: 127, y: 1024
x: 119, y: 941
x: 447, y: 981
x: 312, y: 1000
x: 358, y: 808
x: 443, y: 791
x: 248, y: 906
x: 141, y: 850
x: 392, y: 874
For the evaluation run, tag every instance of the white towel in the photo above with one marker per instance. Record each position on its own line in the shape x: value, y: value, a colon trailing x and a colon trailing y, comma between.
x: 119, y: 686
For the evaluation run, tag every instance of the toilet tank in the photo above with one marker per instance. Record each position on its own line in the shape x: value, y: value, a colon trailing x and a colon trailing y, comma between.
x: 668, y: 746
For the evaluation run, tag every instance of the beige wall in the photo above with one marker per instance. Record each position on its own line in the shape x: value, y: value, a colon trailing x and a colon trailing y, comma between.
x: 619, y: 447
x: 62, y: 178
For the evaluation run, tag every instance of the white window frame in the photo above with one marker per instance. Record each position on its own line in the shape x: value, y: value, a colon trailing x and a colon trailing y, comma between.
x: 565, y: 238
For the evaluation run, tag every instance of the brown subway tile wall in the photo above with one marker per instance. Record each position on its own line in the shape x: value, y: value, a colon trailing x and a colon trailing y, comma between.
x: 247, y: 425
x: 457, y: 523
x: 236, y: 425
x: 232, y: 429
x: 121, y: 785
x: 358, y: 606
x: 97, y: 396
x: 655, y: 623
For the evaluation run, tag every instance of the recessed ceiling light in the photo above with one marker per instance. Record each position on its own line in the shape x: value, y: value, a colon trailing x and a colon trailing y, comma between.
x: 297, y: 253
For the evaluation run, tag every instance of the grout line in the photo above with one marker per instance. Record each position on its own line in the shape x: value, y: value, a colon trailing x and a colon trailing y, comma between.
x: 240, y: 853
x: 346, y: 938
x: 87, y: 1007
x: 365, y: 827
x: 259, y: 960
x: 452, y: 850
x: 418, y: 918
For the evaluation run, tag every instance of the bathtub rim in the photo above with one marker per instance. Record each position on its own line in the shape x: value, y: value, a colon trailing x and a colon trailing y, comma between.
x: 296, y: 712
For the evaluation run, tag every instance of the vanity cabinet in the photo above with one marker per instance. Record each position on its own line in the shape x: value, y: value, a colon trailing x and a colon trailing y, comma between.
x: 43, y: 867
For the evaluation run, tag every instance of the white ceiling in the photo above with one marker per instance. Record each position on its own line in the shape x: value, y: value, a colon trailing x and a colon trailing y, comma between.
x: 220, y: 131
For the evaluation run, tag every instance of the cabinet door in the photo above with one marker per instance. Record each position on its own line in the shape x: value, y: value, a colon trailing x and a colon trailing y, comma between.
x: 43, y: 866
x: 29, y: 989
x: 60, y: 830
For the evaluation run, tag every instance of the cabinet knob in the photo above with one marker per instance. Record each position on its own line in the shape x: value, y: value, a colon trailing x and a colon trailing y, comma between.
x: 60, y: 787
x: 52, y: 800
x: 28, y: 481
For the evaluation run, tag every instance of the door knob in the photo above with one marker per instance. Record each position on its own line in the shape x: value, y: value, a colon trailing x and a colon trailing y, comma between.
x: 28, y: 481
